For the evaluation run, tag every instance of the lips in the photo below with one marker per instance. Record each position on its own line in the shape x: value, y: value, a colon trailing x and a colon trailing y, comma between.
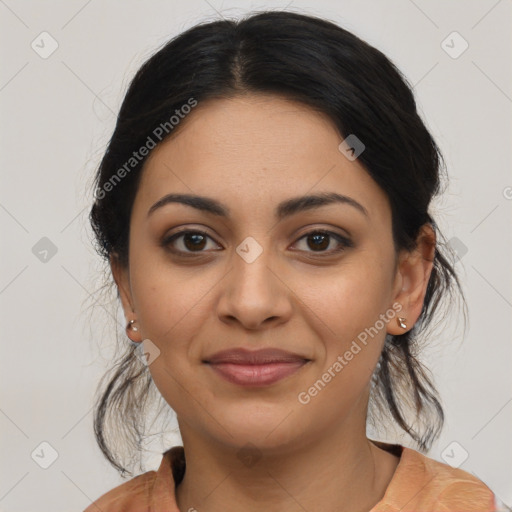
x: 255, y: 357
x: 255, y: 368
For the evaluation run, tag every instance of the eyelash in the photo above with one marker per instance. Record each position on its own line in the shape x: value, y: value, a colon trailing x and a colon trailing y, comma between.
x: 343, y: 241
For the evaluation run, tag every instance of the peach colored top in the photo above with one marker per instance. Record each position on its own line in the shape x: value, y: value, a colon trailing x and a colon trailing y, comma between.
x: 419, y: 484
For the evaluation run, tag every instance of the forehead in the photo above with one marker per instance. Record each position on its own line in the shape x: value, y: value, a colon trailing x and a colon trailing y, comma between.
x: 254, y: 151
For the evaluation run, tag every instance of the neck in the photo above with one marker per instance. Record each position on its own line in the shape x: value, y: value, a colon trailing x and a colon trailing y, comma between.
x: 335, y: 472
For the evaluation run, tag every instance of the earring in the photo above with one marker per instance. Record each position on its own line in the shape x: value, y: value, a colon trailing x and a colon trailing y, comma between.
x: 401, y: 322
x: 131, y: 326
x: 375, y: 379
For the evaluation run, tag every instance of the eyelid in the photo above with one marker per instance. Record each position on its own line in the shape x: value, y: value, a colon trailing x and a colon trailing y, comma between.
x: 168, y: 239
x: 343, y: 241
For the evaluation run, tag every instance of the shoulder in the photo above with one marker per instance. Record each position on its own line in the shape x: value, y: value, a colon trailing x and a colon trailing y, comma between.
x: 442, y: 487
x: 151, y: 491
x: 135, y: 494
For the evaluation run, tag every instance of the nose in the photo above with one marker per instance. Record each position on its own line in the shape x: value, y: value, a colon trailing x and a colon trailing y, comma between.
x: 254, y: 294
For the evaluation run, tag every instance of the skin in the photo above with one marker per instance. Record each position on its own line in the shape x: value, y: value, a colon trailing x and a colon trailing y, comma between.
x: 251, y: 152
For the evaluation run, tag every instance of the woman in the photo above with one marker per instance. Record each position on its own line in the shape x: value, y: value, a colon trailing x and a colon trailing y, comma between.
x: 263, y: 205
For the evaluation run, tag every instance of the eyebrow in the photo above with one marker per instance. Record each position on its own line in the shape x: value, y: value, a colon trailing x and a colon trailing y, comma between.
x: 285, y: 209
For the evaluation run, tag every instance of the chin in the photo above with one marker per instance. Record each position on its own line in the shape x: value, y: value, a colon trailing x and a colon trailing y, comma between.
x: 263, y: 425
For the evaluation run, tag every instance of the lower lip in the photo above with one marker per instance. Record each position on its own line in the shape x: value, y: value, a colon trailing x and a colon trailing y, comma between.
x: 256, y: 374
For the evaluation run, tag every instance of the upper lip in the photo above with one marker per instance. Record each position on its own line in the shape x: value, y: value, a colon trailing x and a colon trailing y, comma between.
x: 262, y: 356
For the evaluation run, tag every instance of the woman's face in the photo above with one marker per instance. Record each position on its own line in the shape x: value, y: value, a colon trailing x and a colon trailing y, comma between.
x: 255, y: 279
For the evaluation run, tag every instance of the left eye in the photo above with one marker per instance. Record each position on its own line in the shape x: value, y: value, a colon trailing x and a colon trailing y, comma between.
x: 320, y: 240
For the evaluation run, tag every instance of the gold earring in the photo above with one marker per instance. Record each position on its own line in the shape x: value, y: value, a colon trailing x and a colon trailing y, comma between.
x: 401, y: 322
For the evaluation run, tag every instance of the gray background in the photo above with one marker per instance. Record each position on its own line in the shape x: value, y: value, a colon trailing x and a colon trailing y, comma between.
x: 57, y: 115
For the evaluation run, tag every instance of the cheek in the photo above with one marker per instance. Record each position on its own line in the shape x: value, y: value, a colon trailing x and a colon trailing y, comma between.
x: 352, y: 311
x: 171, y: 311
x: 349, y: 299
x: 349, y: 349
x: 164, y: 293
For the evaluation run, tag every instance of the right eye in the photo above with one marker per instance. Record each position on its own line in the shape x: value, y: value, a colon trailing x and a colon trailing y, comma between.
x: 187, y: 242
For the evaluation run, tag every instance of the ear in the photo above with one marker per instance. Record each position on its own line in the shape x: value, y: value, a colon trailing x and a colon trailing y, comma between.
x: 122, y: 278
x: 411, y: 280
